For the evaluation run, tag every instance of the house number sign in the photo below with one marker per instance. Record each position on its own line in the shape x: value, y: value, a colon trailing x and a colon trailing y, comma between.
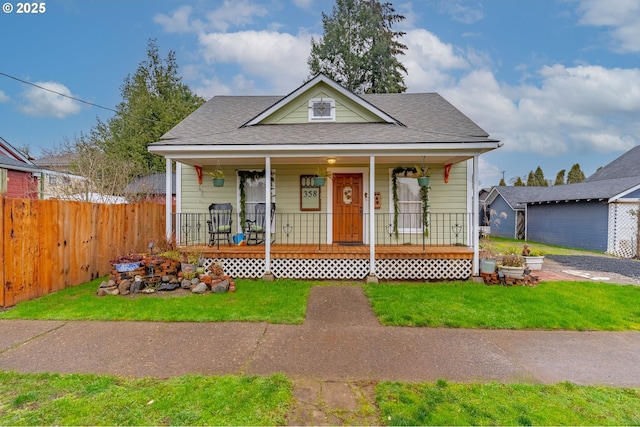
x: 309, y: 194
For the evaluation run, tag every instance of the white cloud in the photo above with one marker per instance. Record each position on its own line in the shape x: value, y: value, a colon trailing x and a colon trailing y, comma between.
x: 42, y: 103
x: 459, y: 11
x: 279, y: 59
x: 429, y: 61
x: 4, y: 97
x: 232, y: 13
x: 304, y: 4
x: 179, y: 21
x: 621, y: 16
x: 585, y: 108
x: 235, y: 13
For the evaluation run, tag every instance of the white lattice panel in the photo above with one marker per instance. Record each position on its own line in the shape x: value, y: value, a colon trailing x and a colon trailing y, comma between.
x: 250, y: 268
x: 353, y: 269
x: 424, y: 269
x: 623, y: 228
x: 320, y: 268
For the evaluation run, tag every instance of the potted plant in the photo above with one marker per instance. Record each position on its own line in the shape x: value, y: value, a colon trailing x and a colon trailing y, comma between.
x: 321, y: 177
x: 534, y: 258
x: 423, y: 175
x: 512, y: 265
x: 487, y: 256
x: 218, y: 177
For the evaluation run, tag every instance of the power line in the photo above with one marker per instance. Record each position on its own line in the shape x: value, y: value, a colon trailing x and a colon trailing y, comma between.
x: 77, y: 99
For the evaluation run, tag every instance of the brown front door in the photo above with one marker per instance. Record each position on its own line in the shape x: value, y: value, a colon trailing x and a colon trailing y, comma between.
x: 347, y: 207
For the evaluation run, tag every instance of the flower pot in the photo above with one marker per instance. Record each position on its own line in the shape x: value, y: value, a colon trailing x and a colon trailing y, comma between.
x: 534, y: 262
x: 488, y: 266
x: 218, y: 182
x: 187, y: 268
x: 423, y: 181
x: 319, y: 181
x: 513, y: 272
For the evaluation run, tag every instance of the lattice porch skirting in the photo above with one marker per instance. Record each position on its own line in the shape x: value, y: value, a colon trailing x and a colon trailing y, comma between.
x: 390, y: 269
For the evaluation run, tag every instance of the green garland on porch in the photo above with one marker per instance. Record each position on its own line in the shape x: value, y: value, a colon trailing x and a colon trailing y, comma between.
x: 244, y: 176
x: 424, y: 195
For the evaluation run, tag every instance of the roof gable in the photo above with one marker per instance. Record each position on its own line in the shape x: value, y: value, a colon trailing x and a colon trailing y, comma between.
x: 625, y: 166
x: 293, y: 107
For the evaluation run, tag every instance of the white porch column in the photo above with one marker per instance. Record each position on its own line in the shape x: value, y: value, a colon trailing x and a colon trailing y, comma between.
x: 169, y: 200
x: 267, y: 198
x: 372, y: 221
x: 475, y: 231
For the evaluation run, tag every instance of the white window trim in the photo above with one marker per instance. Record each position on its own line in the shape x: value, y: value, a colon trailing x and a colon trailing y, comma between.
x: 406, y: 230
x: 332, y: 113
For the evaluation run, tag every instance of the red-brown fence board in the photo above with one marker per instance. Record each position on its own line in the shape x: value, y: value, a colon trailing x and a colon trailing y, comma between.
x: 52, y: 244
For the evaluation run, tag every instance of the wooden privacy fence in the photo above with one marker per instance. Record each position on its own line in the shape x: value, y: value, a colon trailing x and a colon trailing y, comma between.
x: 48, y: 245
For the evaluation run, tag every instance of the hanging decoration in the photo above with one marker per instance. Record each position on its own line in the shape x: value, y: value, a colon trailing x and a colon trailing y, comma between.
x: 199, y: 173
x: 447, y: 171
x: 243, y: 177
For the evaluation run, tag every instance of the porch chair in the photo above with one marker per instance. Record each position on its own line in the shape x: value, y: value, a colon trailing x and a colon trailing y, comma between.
x: 220, y: 222
x: 255, y: 228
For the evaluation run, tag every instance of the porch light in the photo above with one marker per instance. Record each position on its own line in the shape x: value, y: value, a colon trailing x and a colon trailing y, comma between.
x: 331, y: 160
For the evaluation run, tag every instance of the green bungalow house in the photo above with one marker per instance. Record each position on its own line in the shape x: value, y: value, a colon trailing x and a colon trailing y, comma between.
x: 371, y: 219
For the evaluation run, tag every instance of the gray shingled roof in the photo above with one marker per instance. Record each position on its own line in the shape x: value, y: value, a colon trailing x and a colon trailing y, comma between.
x: 619, y: 176
x: 427, y: 117
x: 627, y: 165
x: 151, y: 184
x: 517, y: 197
x: 10, y: 163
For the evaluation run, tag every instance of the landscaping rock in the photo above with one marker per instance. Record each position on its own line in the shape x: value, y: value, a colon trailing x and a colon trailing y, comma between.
x: 186, y: 284
x: 200, y: 288
x: 124, y: 287
x: 168, y: 286
x: 135, y: 286
x: 220, y: 287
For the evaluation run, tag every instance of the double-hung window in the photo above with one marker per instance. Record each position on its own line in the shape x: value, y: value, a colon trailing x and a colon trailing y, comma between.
x: 409, y: 205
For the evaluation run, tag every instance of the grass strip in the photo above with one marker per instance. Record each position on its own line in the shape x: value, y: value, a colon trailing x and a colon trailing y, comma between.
x: 81, y: 399
x: 442, y: 403
x: 282, y: 301
x: 551, y: 305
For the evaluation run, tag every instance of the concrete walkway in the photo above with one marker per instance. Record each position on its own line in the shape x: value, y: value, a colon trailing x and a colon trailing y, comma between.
x: 341, y: 340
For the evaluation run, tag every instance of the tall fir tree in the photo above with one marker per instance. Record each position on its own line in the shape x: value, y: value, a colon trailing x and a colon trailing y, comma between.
x: 560, y: 178
x: 539, y: 178
x: 359, y: 48
x: 154, y: 99
x: 575, y: 175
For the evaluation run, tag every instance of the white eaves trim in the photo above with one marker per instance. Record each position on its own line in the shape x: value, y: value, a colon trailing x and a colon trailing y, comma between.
x: 617, y: 197
x: 335, y: 86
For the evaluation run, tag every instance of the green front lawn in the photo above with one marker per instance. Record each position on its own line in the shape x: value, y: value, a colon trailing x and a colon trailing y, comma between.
x: 550, y: 305
x: 442, y: 403
x: 283, y: 301
x: 81, y: 399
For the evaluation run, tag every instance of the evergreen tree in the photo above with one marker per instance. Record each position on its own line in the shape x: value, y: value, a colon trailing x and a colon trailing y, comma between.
x: 531, y: 180
x: 575, y: 175
x: 502, y: 183
x: 560, y: 178
x: 518, y: 183
x: 539, y: 178
x: 359, y: 48
x: 154, y: 99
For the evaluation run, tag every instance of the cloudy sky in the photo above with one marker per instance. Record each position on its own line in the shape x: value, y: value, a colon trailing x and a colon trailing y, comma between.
x: 557, y: 81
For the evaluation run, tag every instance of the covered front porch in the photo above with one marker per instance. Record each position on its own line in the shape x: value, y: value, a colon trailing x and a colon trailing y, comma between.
x: 441, y: 248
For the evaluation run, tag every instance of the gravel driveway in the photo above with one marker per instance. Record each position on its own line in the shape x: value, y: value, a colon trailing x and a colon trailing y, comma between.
x: 604, y: 264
